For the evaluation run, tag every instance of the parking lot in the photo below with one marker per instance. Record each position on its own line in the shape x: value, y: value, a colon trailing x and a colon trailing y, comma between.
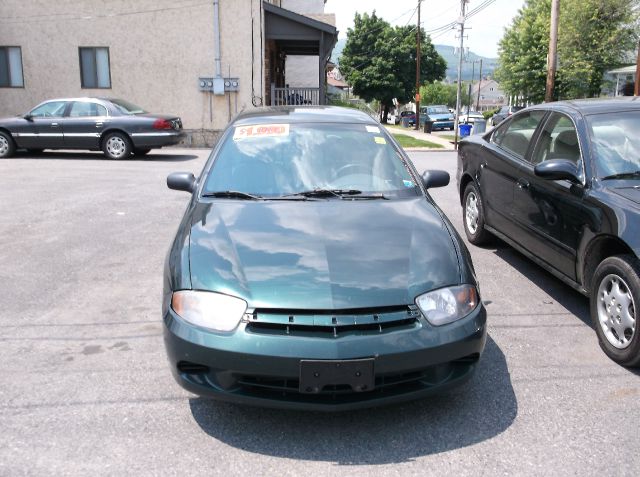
x: 86, y: 388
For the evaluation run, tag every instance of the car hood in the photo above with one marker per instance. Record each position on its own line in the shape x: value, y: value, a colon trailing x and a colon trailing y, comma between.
x: 629, y: 192
x: 440, y: 116
x: 321, y: 255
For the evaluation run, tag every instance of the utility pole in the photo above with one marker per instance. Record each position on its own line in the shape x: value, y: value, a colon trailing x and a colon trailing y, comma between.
x: 553, y: 51
x: 479, y: 84
x: 417, y: 125
x: 636, y: 89
x: 463, y: 5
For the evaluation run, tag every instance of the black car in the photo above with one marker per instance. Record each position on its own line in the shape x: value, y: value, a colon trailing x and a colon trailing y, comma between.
x: 504, y: 113
x: 115, y: 126
x: 312, y: 270
x: 560, y: 182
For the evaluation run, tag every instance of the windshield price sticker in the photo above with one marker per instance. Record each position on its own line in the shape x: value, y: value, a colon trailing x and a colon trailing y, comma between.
x: 262, y: 130
x: 373, y: 129
x: 380, y: 140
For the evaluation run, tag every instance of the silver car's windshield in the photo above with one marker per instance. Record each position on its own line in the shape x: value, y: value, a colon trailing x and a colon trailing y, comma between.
x: 272, y: 160
x: 615, y: 138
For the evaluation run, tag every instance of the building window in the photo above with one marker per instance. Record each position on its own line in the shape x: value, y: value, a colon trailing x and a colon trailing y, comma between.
x: 94, y: 67
x: 11, y: 67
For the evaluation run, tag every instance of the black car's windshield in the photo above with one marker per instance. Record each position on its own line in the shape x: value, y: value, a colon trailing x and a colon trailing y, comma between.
x: 125, y: 107
x: 615, y: 138
x: 314, y: 160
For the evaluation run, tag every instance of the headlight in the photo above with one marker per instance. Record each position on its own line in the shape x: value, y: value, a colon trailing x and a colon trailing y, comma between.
x: 448, y: 304
x: 209, y: 310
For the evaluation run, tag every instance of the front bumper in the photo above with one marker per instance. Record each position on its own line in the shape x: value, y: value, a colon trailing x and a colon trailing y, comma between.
x: 157, y: 139
x: 263, y: 368
x: 443, y: 125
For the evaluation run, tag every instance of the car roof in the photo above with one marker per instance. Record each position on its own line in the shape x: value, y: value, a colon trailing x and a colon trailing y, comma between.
x: 303, y: 114
x: 595, y: 105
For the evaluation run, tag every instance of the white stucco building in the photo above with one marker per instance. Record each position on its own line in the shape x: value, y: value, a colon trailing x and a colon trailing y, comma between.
x: 203, y: 60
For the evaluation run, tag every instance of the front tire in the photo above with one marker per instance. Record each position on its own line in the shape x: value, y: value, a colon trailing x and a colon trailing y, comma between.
x: 116, y: 146
x: 614, y: 300
x: 473, y: 215
x: 7, y: 146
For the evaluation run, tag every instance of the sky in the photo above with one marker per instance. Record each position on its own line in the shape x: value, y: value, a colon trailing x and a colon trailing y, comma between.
x: 482, y: 31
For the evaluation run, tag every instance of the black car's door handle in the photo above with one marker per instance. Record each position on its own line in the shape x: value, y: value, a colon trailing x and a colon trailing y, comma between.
x: 523, y: 184
x: 54, y: 125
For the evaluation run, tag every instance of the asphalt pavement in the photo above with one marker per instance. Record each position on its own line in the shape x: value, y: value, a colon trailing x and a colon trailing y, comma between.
x: 86, y: 388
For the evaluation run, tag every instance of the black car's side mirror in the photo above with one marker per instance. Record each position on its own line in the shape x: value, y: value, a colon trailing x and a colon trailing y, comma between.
x: 185, y: 181
x: 435, y: 179
x: 557, y: 169
x: 28, y: 117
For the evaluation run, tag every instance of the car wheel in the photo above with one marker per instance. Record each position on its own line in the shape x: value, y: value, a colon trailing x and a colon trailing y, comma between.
x: 7, y: 146
x: 116, y: 146
x: 615, y: 295
x: 35, y: 151
x: 141, y: 152
x: 473, y: 216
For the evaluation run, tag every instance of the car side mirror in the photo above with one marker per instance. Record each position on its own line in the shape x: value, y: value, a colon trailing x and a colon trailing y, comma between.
x: 435, y: 179
x: 184, y: 181
x: 557, y: 169
x: 28, y: 117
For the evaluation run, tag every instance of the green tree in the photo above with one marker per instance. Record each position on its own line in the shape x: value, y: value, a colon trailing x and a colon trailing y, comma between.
x: 438, y: 92
x: 522, y: 70
x: 593, y: 37
x: 379, y: 61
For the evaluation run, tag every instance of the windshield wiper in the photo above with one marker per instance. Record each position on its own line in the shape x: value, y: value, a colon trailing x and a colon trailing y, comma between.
x: 232, y: 194
x: 325, y: 193
x: 622, y: 175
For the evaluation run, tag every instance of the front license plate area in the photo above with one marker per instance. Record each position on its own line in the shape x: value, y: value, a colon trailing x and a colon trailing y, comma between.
x: 356, y: 373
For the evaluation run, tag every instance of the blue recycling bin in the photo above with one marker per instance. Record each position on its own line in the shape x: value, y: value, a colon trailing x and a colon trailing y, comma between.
x: 465, y: 130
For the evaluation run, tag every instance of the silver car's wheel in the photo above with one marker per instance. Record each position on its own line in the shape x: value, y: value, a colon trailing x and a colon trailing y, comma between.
x: 116, y: 146
x: 616, y: 311
x: 471, y: 213
x: 7, y: 147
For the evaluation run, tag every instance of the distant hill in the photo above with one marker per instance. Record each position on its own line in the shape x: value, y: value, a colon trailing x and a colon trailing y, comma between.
x: 448, y: 53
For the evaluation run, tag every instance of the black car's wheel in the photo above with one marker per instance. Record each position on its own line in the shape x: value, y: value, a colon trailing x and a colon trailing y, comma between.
x: 473, y: 215
x: 7, y: 146
x: 116, y: 146
x: 615, y: 296
x: 35, y: 151
x: 141, y: 152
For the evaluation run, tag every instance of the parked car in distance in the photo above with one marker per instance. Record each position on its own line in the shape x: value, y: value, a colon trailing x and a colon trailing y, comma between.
x: 115, y: 126
x: 560, y: 182
x: 440, y: 115
x: 470, y: 117
x: 409, y: 116
x: 312, y: 270
x: 504, y: 113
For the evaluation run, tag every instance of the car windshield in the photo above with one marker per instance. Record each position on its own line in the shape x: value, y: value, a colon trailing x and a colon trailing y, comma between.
x: 615, y: 138
x: 125, y: 107
x: 438, y: 110
x: 275, y: 160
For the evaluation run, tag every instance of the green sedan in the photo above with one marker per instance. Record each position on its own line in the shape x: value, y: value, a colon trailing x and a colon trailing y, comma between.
x: 312, y: 270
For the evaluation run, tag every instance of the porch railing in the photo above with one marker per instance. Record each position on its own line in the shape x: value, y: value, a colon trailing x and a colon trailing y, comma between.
x: 294, y: 96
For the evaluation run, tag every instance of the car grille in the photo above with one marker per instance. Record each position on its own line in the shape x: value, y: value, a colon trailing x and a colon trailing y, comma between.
x: 385, y: 384
x: 333, y: 324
